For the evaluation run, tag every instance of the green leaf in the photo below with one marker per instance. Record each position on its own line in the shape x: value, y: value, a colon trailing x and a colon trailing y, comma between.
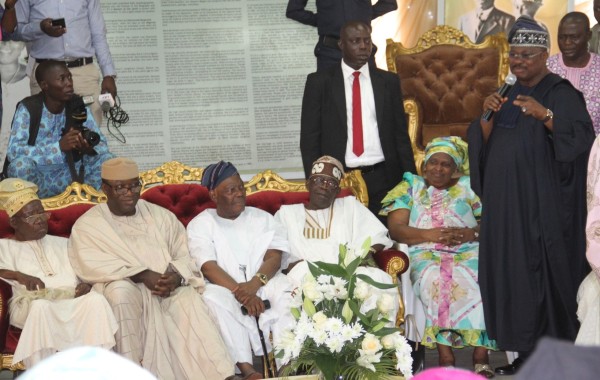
x: 331, y: 269
x: 347, y: 312
x: 295, y: 312
x: 309, y: 307
x: 328, y: 365
x: 314, y: 270
x: 342, y: 254
x: 378, y: 326
x: 356, y: 310
x: 366, y: 245
x: 352, y: 266
x: 386, y: 330
x: 376, y: 284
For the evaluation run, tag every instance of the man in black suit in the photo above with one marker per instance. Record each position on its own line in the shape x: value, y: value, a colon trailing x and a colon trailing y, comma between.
x: 329, y: 18
x: 380, y: 146
x: 485, y: 20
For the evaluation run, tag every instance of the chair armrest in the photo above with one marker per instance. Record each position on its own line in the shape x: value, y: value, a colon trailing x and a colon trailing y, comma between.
x: 5, y: 295
x: 392, y: 261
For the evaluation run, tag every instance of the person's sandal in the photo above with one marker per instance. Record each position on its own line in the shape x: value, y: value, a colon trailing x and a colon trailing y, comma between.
x: 484, y: 370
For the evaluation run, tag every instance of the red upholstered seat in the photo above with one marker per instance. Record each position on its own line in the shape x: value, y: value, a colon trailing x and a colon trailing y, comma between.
x: 188, y: 200
x: 175, y: 187
x: 184, y: 200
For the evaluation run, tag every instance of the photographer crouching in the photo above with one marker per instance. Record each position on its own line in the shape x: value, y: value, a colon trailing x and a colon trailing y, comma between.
x: 54, y: 138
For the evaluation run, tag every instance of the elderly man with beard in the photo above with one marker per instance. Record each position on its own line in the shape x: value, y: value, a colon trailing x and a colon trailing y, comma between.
x: 528, y: 166
x: 53, y: 307
x: 239, y: 250
x: 136, y: 254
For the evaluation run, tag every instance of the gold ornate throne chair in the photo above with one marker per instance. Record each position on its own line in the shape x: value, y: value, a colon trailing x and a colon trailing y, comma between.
x: 445, y: 78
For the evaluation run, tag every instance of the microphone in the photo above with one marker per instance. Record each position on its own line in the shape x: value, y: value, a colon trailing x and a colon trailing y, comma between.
x: 106, y: 102
x: 510, y: 80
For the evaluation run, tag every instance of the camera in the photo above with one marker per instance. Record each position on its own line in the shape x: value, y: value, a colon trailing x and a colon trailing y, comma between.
x: 91, y: 137
x: 76, y: 113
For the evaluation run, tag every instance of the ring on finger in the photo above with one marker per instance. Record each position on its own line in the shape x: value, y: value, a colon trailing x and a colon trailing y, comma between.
x: 524, y: 109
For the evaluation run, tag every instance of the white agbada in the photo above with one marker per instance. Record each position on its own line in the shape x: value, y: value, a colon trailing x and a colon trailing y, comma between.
x: 588, y: 311
x: 234, y: 244
x: 52, y: 320
x: 174, y: 337
x: 351, y: 223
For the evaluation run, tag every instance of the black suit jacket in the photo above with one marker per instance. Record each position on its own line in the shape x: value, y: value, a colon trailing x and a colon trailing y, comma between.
x: 496, y: 22
x: 324, y: 126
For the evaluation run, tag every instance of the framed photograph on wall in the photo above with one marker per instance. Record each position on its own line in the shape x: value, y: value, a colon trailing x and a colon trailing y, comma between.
x: 478, y: 18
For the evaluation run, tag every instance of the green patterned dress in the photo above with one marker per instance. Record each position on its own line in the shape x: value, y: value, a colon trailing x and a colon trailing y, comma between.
x: 444, y: 277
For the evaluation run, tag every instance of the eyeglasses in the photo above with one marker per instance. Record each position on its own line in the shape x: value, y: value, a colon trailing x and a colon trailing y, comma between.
x: 123, y: 189
x: 525, y: 56
x: 325, y: 182
x: 31, y: 219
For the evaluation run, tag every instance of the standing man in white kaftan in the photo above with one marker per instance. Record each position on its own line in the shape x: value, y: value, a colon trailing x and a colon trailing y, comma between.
x: 239, y: 250
x: 54, y: 309
x: 136, y: 253
x: 316, y: 230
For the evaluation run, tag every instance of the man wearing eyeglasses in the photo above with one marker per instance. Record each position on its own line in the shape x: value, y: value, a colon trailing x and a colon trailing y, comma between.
x: 316, y: 230
x: 528, y: 165
x: 136, y: 253
x: 54, y: 309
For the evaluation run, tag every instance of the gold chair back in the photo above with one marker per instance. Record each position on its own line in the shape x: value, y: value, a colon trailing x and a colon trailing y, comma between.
x: 445, y: 78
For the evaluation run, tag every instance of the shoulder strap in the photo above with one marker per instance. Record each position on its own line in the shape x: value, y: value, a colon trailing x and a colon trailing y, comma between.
x: 34, y: 105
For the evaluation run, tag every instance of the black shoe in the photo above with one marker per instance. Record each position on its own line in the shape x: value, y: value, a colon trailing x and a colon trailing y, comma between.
x: 510, y: 369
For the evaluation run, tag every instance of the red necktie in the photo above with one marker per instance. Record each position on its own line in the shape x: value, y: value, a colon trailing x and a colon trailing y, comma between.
x: 357, y: 130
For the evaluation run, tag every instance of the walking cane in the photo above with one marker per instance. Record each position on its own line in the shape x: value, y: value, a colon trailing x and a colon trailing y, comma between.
x: 271, y: 367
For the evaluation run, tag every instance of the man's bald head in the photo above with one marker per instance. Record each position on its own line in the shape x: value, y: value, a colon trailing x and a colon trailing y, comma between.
x: 576, y: 17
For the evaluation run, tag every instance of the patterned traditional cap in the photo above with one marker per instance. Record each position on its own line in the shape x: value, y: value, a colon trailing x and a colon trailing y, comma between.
x: 328, y: 166
x: 119, y: 169
x: 453, y: 146
x: 526, y: 32
x: 15, y: 193
x: 214, y: 174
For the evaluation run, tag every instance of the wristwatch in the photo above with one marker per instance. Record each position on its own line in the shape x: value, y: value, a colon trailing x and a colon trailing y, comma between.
x: 549, y: 115
x: 262, y: 277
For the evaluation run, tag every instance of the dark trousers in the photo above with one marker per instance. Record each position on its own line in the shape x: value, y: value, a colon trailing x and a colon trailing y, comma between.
x: 377, y: 189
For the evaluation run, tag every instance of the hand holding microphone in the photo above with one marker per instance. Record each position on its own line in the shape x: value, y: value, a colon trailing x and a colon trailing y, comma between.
x: 106, y: 102
x: 492, y: 104
x: 113, y: 114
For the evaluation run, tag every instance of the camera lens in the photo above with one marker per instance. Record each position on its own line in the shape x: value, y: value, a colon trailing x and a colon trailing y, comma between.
x: 91, y: 137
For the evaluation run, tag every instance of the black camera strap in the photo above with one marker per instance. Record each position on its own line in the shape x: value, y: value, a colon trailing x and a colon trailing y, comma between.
x: 75, y: 176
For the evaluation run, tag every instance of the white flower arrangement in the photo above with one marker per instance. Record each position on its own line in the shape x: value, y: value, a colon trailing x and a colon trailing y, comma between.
x: 333, y: 335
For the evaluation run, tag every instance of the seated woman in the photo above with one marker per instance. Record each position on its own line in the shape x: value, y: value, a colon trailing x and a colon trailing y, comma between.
x: 588, y: 296
x: 436, y: 215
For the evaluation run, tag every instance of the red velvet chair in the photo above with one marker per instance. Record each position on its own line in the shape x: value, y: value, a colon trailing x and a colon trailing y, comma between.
x: 176, y: 187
